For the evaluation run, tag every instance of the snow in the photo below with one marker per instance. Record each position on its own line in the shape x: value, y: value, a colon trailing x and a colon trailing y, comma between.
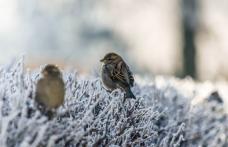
x: 166, y: 113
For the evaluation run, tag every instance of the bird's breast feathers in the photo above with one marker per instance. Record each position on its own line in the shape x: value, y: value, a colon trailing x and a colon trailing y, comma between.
x: 54, y: 93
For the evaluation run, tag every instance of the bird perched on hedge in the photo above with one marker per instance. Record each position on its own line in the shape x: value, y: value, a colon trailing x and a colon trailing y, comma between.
x: 50, y: 90
x: 116, y: 74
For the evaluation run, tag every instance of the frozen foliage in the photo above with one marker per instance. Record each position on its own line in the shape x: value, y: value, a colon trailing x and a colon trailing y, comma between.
x: 162, y: 115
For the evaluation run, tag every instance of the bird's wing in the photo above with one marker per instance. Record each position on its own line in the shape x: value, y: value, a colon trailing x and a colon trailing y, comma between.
x: 123, y: 74
x: 130, y: 75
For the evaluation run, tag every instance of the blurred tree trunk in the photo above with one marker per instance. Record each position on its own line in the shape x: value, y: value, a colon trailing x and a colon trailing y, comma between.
x: 189, y: 25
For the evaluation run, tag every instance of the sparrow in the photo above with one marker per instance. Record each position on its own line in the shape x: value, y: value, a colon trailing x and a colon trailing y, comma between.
x: 115, y: 73
x: 50, y: 90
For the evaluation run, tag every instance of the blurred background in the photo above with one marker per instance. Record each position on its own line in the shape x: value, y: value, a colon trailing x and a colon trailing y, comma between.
x: 178, y: 37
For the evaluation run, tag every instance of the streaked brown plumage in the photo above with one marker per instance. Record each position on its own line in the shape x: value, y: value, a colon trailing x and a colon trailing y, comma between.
x: 116, y: 74
x: 50, y: 90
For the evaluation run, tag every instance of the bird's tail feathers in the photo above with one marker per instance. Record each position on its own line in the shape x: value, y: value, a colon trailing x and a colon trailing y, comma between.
x: 129, y: 94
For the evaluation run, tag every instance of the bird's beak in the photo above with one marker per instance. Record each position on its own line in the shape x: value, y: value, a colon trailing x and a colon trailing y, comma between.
x: 102, y: 60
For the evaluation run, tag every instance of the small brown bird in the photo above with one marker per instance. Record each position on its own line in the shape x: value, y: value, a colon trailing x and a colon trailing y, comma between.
x: 50, y: 90
x: 116, y: 74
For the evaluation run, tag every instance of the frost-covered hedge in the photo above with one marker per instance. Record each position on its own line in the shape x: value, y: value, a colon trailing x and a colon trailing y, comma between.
x: 161, y: 116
